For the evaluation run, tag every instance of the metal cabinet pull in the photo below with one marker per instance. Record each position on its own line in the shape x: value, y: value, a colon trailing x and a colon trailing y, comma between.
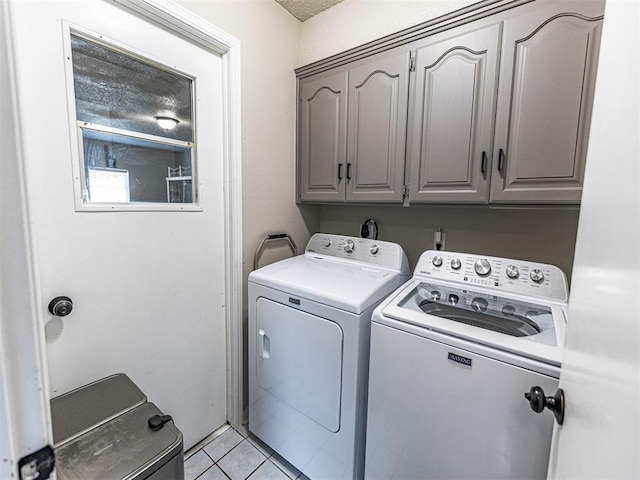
x: 500, y: 160
x: 348, y: 171
x: 483, y: 164
x: 339, y: 171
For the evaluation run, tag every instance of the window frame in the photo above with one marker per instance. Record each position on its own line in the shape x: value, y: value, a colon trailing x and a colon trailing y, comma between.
x: 75, y: 130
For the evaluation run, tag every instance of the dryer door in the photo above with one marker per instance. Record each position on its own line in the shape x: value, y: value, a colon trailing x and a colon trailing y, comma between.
x: 299, y: 361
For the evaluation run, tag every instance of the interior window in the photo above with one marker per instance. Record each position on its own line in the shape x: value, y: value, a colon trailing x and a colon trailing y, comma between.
x: 135, y: 123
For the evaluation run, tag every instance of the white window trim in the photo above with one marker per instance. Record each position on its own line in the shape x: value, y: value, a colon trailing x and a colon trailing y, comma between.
x: 79, y: 190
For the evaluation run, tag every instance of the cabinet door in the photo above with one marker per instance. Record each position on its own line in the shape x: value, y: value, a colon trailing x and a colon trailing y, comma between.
x: 547, y: 78
x: 322, y: 127
x: 378, y: 95
x: 452, y: 118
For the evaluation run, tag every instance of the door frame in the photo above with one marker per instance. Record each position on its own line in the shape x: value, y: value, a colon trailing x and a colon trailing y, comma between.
x: 22, y: 330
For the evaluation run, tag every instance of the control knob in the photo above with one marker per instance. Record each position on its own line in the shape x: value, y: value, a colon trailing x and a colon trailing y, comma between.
x: 513, y: 272
x: 374, y: 249
x: 537, y: 275
x: 437, y: 261
x: 453, y: 299
x: 479, y: 304
x: 435, y: 295
x: 349, y: 246
x: 326, y: 242
x: 456, y: 263
x: 482, y: 267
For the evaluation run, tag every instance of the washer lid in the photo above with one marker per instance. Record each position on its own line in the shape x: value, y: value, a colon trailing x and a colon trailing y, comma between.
x: 530, y: 327
x: 350, y: 286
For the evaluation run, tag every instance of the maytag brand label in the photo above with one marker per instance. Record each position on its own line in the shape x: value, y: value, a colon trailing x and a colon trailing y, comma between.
x: 460, y: 359
x: 295, y: 301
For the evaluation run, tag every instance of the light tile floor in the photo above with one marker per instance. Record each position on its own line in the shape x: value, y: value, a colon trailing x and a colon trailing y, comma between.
x: 236, y: 455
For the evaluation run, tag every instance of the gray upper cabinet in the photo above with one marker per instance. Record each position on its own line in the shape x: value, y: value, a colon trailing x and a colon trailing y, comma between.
x: 352, y: 128
x: 377, y: 128
x: 322, y: 127
x: 496, y: 110
x: 547, y: 78
x: 453, y: 108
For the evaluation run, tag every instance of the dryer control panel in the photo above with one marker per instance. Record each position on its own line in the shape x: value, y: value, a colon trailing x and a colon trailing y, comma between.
x: 507, y: 275
x: 374, y: 252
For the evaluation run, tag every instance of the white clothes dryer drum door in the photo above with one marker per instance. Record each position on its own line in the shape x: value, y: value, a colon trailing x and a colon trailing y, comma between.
x: 302, y: 367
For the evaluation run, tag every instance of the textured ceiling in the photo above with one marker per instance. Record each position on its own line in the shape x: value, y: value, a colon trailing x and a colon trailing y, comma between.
x: 305, y: 9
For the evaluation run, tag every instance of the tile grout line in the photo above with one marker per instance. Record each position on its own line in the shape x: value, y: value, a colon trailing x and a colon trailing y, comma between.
x: 210, y: 467
x: 233, y: 448
x: 227, y: 453
x: 267, y: 458
x: 208, y: 439
x: 256, y: 469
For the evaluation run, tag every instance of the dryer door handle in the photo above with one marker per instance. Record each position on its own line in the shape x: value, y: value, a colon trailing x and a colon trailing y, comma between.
x: 264, y: 345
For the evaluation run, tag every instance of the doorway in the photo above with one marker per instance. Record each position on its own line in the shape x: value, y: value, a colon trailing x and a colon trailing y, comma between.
x: 156, y: 285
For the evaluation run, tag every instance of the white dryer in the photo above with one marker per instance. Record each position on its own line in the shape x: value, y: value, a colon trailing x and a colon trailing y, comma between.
x: 309, y: 325
x: 453, y: 352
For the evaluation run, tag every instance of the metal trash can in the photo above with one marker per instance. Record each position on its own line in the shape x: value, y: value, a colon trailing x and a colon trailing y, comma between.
x: 102, y: 431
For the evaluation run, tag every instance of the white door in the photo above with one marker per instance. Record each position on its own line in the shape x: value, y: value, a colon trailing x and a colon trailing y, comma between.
x: 600, y: 436
x: 147, y: 282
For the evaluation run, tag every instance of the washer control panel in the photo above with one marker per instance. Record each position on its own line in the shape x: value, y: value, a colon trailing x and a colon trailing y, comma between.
x: 515, y: 276
x: 375, y: 252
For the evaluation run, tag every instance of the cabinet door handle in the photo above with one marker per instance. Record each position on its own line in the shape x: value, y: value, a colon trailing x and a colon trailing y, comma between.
x: 348, y: 171
x: 339, y: 171
x: 483, y: 164
x: 500, y: 160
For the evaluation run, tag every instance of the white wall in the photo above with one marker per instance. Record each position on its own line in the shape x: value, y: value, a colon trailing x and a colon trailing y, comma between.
x: 269, y: 38
x: 354, y: 22
x: 546, y: 236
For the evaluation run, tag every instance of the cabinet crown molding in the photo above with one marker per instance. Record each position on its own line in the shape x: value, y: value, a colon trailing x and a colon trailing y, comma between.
x: 444, y: 22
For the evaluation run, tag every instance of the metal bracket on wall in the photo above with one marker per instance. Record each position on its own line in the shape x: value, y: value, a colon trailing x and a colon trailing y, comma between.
x: 270, y: 238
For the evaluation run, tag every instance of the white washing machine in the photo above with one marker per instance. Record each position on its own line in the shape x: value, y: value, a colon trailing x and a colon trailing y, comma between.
x: 453, y: 352
x: 309, y: 325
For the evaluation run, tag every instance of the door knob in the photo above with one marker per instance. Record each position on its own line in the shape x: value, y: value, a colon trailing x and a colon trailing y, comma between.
x: 60, y: 306
x: 538, y: 400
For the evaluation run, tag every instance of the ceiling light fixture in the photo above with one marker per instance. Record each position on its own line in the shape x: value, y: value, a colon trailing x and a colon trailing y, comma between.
x: 167, y: 123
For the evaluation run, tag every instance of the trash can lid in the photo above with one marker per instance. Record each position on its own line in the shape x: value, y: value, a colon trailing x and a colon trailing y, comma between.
x: 80, y: 410
x: 123, y: 448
